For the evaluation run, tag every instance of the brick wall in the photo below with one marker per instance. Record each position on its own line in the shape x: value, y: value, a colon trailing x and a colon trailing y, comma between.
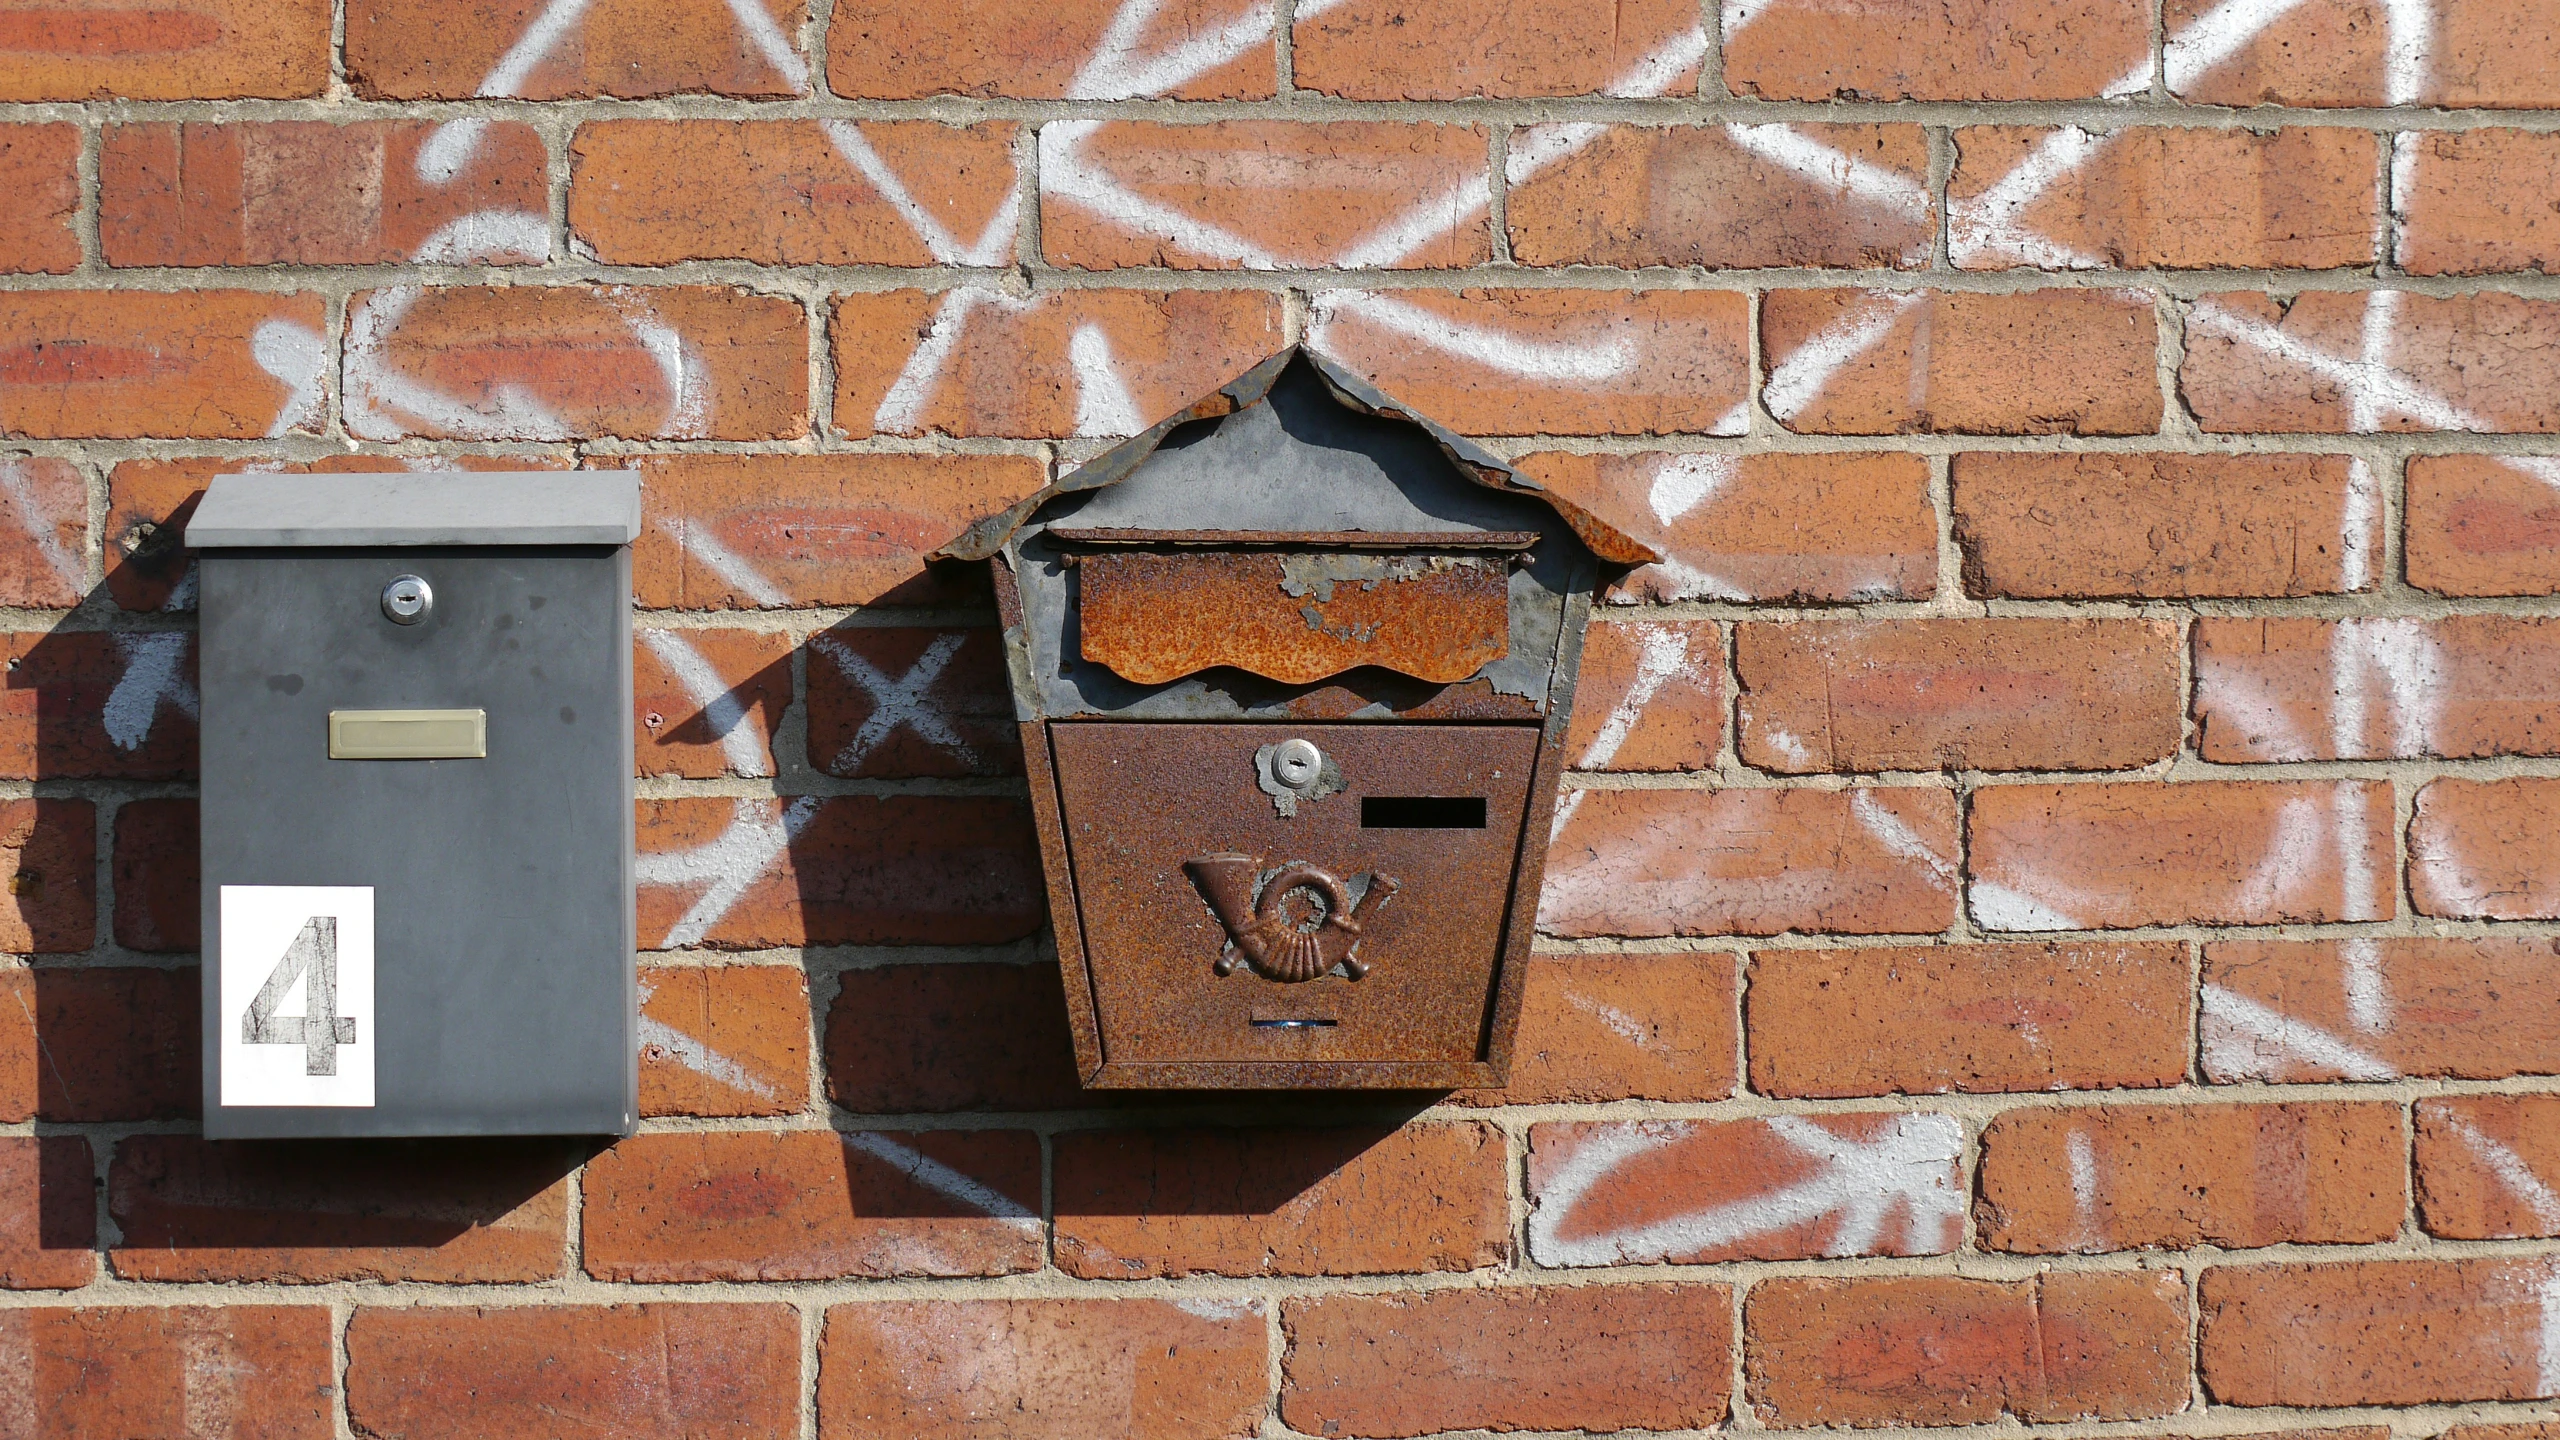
x: 2054, y: 922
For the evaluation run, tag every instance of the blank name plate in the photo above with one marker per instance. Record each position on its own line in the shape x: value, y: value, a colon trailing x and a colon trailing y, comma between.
x: 408, y: 735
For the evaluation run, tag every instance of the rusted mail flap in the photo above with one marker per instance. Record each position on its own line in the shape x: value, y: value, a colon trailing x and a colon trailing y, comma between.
x: 1293, y: 616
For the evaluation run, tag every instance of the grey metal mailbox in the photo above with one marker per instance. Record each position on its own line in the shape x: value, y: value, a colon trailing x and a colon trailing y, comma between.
x: 417, y: 804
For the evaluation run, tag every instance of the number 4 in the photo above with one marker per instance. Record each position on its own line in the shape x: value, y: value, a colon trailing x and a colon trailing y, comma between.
x: 313, y: 955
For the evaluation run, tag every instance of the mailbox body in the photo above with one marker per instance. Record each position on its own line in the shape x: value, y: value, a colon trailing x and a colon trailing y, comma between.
x: 497, y: 888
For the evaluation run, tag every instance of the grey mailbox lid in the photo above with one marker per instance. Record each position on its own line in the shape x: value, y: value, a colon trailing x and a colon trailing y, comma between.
x: 412, y: 507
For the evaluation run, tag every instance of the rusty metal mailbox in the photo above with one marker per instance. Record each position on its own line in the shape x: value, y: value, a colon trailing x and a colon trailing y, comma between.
x: 1293, y: 669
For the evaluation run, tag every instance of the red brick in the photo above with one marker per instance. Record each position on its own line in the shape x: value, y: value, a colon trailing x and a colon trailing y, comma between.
x: 1166, y: 349
x: 2544, y: 1431
x: 2159, y: 197
x: 1968, y: 1019
x: 2470, y: 202
x: 686, y: 727
x: 19, y: 1053
x: 1945, y: 1351
x: 2172, y: 1177
x: 1751, y: 862
x: 307, y: 193
x: 118, y: 1043
x: 909, y: 1039
x: 1693, y: 1192
x: 1621, y: 1027
x: 1646, y: 362
x: 2336, y: 52
x: 2014, y: 694
x: 903, y: 701
x: 49, y: 1216
x: 1725, y: 196
x: 649, y: 1372
x: 1047, y: 50
x: 44, y: 533
x: 1920, y: 50
x: 846, y: 870
x: 1767, y: 527
x: 157, y: 900
x: 2481, y: 363
x: 1190, y: 1369
x: 2040, y: 362
x: 81, y: 703
x: 1265, y: 194
x: 2072, y: 527
x: 49, y: 863
x: 724, y: 1040
x: 2481, y: 1008
x: 78, y: 364
x: 628, y: 49
x: 479, y: 1212
x: 2466, y: 686
x: 2380, y: 1332
x: 1549, y: 1357
x: 2486, y: 1165
x: 39, y: 164
x: 1133, y: 1204
x: 813, y: 1205
x: 785, y: 192
x: 179, y: 50
x: 2483, y: 525
x: 253, y: 1372
x: 569, y: 362
x: 1649, y: 697
x: 2480, y: 850
x: 1397, y: 50
x: 2100, y: 857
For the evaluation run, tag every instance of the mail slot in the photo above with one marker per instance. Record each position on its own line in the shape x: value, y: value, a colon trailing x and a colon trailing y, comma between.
x: 417, y: 804
x: 1293, y: 669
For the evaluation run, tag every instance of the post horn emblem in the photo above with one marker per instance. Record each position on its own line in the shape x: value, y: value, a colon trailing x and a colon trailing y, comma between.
x: 1281, y: 941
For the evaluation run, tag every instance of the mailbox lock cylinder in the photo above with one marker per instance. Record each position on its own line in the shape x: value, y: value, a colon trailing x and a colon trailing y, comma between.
x: 407, y: 599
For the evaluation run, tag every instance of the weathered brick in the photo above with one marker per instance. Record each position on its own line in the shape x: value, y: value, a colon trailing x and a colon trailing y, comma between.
x: 2160, y: 197
x: 724, y: 1040
x: 1766, y: 527
x: 569, y: 362
x: 2074, y: 527
x: 792, y: 192
x: 2464, y: 686
x: 1396, y: 50
x: 651, y: 1372
x: 182, y: 50
x: 118, y: 1043
x: 2039, y: 362
x: 2128, y: 1177
x: 49, y: 863
x: 2482, y: 1008
x: 257, y: 1372
x: 2340, y: 52
x: 80, y: 703
x: 301, y: 192
x: 40, y: 165
x: 846, y: 870
x: 1968, y: 1019
x: 1132, y: 1204
x: 1190, y: 1369
x: 1547, y: 1357
x: 2097, y: 857
x: 709, y: 702
x: 2486, y: 1164
x: 813, y: 1205
x: 2543, y: 1431
x: 2480, y: 850
x: 1049, y: 50
x: 1723, y: 196
x: 1264, y: 194
x: 2470, y: 202
x: 1692, y: 1191
x: 1649, y: 697
x: 48, y: 1212
x: 2481, y: 363
x: 1947, y: 1351
x: 44, y: 530
x: 1645, y: 362
x: 19, y: 1053
x: 1621, y: 1027
x: 2483, y: 525
x: 908, y: 1039
x: 1916, y: 50
x: 628, y: 49
x: 2006, y: 694
x: 902, y: 701
x: 446, y: 1212
x: 1751, y: 862
x: 81, y: 364
x: 2378, y: 1332
x: 1165, y: 350
x: 156, y: 869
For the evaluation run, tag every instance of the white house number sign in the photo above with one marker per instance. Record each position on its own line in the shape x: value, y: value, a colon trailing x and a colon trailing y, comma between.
x: 297, y: 995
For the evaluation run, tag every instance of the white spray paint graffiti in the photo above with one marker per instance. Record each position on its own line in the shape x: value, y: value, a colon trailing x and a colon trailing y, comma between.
x: 39, y: 524
x: 694, y: 1055
x: 722, y: 711
x: 2244, y: 1040
x: 2507, y: 1166
x: 728, y: 867
x: 154, y: 675
x: 900, y: 703
x: 942, y: 1179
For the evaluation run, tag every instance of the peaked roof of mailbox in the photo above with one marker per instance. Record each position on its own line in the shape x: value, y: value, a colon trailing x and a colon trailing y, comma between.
x: 988, y: 535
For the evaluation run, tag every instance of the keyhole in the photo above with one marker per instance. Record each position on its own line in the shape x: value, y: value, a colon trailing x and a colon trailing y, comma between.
x: 406, y: 600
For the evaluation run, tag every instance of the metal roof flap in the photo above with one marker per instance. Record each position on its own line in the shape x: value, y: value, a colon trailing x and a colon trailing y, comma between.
x: 407, y: 508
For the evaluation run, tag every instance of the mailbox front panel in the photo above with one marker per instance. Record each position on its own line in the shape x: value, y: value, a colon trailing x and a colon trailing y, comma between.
x: 496, y: 888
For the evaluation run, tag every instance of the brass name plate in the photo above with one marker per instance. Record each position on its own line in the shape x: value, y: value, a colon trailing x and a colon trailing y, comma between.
x: 408, y: 735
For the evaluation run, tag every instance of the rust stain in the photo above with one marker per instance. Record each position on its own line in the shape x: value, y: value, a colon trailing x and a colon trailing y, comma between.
x: 1297, y: 618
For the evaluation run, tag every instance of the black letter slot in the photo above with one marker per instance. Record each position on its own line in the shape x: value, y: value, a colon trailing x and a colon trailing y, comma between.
x: 1421, y: 812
